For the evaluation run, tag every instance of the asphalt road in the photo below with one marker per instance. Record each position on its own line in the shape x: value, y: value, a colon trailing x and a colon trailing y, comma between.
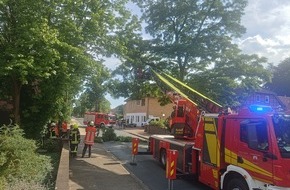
x: 148, y: 170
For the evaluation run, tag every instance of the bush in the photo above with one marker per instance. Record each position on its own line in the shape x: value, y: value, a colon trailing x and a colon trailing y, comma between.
x: 124, y: 139
x: 52, y: 145
x: 19, y: 160
x: 20, y: 185
x: 108, y: 134
x: 161, y: 123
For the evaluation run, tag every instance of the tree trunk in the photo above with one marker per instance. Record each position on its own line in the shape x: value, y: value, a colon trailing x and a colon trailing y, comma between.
x: 16, y: 101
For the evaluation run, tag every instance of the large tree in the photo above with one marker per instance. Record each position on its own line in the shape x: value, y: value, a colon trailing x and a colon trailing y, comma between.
x: 193, y: 41
x: 190, y: 35
x: 26, y: 46
x: 50, y: 49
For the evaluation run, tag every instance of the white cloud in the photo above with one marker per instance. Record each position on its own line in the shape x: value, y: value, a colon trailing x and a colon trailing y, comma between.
x: 268, y: 29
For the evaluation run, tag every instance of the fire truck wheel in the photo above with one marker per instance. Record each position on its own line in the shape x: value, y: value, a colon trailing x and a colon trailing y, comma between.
x: 237, y: 184
x: 163, y: 157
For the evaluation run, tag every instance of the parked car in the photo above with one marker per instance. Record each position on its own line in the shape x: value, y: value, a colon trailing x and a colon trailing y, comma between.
x: 150, y: 120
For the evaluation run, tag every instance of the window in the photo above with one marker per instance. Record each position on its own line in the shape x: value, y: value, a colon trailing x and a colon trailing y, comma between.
x: 258, y: 98
x: 138, y: 102
x: 267, y: 99
x: 254, y: 133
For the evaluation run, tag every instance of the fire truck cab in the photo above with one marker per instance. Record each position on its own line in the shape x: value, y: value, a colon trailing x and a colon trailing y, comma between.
x: 255, y: 146
x: 100, y: 119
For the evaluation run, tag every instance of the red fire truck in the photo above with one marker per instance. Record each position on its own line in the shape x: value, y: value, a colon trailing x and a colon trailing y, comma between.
x: 100, y: 119
x: 246, y: 150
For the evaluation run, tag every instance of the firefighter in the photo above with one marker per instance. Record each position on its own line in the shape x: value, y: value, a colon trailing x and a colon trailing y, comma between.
x: 53, y: 131
x: 89, y: 138
x: 64, y: 129
x: 74, y: 139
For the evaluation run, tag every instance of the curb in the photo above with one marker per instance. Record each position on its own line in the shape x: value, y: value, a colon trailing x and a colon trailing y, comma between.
x: 62, y: 179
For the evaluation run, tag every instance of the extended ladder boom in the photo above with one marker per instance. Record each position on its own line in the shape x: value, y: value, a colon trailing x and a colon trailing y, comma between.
x: 186, y: 92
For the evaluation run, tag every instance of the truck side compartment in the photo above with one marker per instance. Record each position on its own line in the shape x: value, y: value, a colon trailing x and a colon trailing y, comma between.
x: 161, y: 143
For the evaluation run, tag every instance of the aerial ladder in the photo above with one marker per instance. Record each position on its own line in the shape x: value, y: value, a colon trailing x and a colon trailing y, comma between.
x: 189, y: 105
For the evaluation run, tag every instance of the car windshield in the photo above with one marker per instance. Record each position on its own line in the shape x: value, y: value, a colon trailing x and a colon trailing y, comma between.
x: 282, y: 131
x: 148, y: 120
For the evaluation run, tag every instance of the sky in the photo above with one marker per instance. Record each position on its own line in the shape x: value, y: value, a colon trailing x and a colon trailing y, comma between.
x: 268, y: 33
x: 268, y: 29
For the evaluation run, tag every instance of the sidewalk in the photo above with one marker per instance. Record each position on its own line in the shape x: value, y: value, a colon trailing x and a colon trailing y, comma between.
x: 102, y: 171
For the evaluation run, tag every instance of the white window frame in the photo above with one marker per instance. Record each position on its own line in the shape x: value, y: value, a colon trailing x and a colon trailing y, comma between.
x: 267, y: 99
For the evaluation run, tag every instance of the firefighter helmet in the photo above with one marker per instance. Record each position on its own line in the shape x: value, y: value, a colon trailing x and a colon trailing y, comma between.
x: 53, y: 124
x: 75, y: 126
x: 91, y: 123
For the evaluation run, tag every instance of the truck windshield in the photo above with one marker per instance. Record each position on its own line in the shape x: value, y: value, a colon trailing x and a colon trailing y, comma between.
x: 112, y: 117
x: 282, y: 131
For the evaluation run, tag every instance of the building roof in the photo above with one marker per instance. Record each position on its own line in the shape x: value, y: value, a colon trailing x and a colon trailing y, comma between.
x: 265, y: 91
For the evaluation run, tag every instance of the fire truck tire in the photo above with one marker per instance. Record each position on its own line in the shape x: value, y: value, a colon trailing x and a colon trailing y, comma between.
x: 237, y: 184
x: 163, y: 157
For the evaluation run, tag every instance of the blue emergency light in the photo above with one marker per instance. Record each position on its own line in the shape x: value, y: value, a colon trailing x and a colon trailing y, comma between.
x: 260, y: 108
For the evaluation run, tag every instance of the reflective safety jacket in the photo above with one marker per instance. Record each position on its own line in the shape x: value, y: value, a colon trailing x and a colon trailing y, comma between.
x: 53, y: 132
x: 90, y: 135
x: 64, y: 127
x: 74, y: 136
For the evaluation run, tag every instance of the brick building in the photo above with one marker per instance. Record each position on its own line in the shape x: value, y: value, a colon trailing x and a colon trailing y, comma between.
x: 137, y: 111
x: 268, y: 98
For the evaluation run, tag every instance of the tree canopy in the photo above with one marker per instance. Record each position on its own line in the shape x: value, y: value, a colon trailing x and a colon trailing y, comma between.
x: 51, y: 50
x: 193, y: 41
x: 281, y: 78
x: 190, y: 35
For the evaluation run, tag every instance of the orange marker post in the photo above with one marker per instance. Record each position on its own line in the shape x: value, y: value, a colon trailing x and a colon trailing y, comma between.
x: 135, y: 142
x: 171, y: 162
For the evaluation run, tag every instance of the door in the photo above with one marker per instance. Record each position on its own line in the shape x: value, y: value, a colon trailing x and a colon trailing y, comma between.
x: 254, y: 148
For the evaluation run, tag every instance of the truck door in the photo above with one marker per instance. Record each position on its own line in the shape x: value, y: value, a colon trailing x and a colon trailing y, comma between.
x: 254, y: 148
